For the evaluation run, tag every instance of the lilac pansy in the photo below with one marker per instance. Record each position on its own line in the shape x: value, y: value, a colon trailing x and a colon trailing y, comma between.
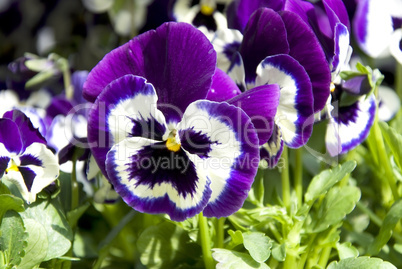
x: 24, y: 158
x: 163, y: 146
x: 278, y: 48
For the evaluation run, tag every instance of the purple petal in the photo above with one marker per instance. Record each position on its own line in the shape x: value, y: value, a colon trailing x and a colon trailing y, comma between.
x: 260, y: 104
x: 272, y: 151
x: 354, y: 122
x: 372, y: 26
x: 126, y: 108
x: 176, y: 58
x: 305, y: 48
x: 78, y: 79
x: 223, y: 87
x: 226, y: 43
x: 239, y: 11
x: 10, y: 136
x: 302, y: 8
x: 60, y: 105
x: 232, y: 158
x: 295, y: 111
x: 4, y: 159
x: 336, y: 12
x: 358, y: 85
x: 265, y: 35
x: 342, y: 50
x: 152, y: 179
x: 28, y: 133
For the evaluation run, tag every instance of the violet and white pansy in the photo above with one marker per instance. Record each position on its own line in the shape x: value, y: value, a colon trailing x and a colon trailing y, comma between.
x: 25, y: 160
x: 163, y: 146
x: 278, y: 48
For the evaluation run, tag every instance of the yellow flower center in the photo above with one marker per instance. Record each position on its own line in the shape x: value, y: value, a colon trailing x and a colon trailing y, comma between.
x: 332, y: 87
x: 207, y: 10
x: 172, y: 144
x: 12, y: 167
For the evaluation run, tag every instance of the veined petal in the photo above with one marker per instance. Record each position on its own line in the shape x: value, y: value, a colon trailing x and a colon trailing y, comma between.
x: 305, y: 48
x: 126, y: 108
x: 10, y: 136
x: 260, y: 104
x: 153, y: 179
x: 40, y: 161
x: 265, y: 35
x: 222, y: 88
x: 239, y: 11
x: 336, y: 12
x: 226, y: 43
x: 272, y: 150
x: 372, y: 26
x: 176, y: 58
x: 354, y: 122
x: 231, y: 160
x: 29, y: 134
x: 295, y: 111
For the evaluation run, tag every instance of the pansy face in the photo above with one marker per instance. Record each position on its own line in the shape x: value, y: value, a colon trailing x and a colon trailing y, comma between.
x: 24, y: 158
x: 164, y: 149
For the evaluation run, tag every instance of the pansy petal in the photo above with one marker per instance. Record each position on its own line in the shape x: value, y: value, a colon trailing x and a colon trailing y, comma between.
x: 10, y: 136
x: 239, y: 11
x: 236, y: 71
x: 265, y: 35
x: 29, y: 134
x: 78, y: 79
x: 372, y: 26
x: 358, y: 85
x: 272, y: 151
x: 342, y: 50
x: 126, y: 108
x: 226, y: 43
x: 389, y: 103
x: 41, y: 162
x: 232, y: 158
x: 152, y: 179
x: 295, y: 111
x: 260, y: 104
x: 354, y: 122
x: 222, y: 88
x: 336, y: 12
x: 395, y: 45
x: 4, y: 159
x: 305, y: 48
x: 176, y: 58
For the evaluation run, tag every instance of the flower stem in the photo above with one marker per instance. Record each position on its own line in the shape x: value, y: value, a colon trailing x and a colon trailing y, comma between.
x: 74, y: 185
x: 285, y: 179
x: 398, y: 79
x: 220, y: 232
x: 205, y: 242
x: 299, y: 176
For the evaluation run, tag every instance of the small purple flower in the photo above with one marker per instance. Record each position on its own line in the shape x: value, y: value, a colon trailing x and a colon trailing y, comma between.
x: 163, y: 146
x: 24, y: 158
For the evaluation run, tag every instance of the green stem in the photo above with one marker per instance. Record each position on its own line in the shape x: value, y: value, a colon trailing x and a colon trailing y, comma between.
x: 290, y: 261
x: 74, y: 185
x: 220, y: 232
x: 206, y: 242
x: 305, y: 255
x: 285, y: 179
x: 324, y: 257
x: 299, y: 176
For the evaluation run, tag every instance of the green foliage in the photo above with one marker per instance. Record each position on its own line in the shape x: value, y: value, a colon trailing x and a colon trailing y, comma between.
x: 360, y: 263
x: 258, y: 245
x: 229, y: 259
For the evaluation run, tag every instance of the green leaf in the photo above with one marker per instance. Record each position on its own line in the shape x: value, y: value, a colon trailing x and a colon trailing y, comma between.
x: 338, y: 202
x: 10, y: 202
x: 37, y: 246
x: 74, y: 215
x: 361, y: 263
x: 51, y: 217
x: 321, y: 183
x: 237, y: 238
x: 13, y: 238
x: 258, y: 245
x: 279, y: 252
x: 229, y: 259
x: 391, y: 219
x: 4, y: 189
x: 346, y: 250
x: 393, y: 140
x: 165, y: 246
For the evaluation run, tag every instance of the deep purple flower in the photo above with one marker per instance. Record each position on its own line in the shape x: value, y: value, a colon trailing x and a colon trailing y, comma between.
x: 278, y: 48
x: 163, y: 146
x: 24, y: 158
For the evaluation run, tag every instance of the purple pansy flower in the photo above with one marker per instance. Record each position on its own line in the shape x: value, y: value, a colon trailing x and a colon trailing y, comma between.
x: 163, y: 147
x: 24, y: 158
x: 278, y: 48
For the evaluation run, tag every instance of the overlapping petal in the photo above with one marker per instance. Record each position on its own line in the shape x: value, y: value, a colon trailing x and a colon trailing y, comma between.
x: 161, y: 56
